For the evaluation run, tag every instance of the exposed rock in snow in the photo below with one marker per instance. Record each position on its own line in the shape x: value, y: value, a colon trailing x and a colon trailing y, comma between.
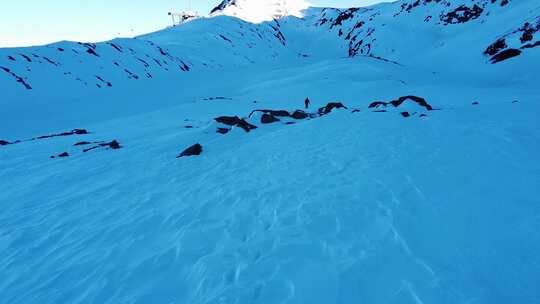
x: 194, y: 150
x: 268, y: 118
x: 330, y: 106
x: 236, y: 121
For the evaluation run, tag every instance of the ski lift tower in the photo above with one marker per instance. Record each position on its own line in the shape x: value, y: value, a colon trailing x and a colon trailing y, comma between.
x: 181, y: 17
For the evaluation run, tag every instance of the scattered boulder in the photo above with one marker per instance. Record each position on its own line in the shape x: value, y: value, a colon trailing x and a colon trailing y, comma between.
x: 82, y: 143
x: 3, y: 142
x: 236, y: 121
x: 246, y: 126
x: 504, y: 55
x: 223, y: 130
x: 423, y: 115
x: 268, y: 118
x: 355, y: 111
x: 475, y: 103
x: 405, y: 114
x: 228, y: 120
x: 496, y: 47
x: 330, y: 106
x: 79, y: 131
x: 114, y: 145
x: 194, y: 150
x: 61, y: 155
x: 398, y: 102
x: 419, y: 100
x: 276, y: 113
x: 377, y: 104
x: 72, y: 132
x: 299, y: 114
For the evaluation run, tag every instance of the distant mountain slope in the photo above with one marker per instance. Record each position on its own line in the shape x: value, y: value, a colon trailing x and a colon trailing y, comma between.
x: 405, y: 32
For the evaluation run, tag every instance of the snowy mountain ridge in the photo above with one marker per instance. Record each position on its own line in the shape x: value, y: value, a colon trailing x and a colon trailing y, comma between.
x: 261, y: 10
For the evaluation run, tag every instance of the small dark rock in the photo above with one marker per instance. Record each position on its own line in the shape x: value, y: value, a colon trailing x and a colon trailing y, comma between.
x: 223, y: 130
x: 355, y: 111
x: 3, y: 142
x: 228, y: 120
x: 82, y: 143
x: 196, y: 149
x: 65, y: 154
x: 80, y: 131
x: 246, y: 126
x: 268, y: 118
x: 276, y: 113
x: 188, y: 127
x: 377, y: 104
x: 405, y: 114
x: 299, y: 114
x: 113, y: 145
x: 475, y: 103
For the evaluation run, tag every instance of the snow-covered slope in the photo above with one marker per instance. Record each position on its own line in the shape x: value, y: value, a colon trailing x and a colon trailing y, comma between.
x: 412, y: 177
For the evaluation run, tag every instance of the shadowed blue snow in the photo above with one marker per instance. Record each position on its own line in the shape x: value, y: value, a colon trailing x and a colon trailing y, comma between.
x: 360, y: 207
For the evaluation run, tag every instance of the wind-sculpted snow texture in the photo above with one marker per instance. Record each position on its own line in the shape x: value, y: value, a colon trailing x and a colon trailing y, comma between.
x: 183, y: 166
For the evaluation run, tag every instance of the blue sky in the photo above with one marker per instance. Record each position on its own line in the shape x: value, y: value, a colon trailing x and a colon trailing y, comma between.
x: 33, y: 22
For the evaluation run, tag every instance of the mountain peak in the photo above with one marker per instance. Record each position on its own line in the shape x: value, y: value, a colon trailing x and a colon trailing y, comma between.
x: 260, y: 10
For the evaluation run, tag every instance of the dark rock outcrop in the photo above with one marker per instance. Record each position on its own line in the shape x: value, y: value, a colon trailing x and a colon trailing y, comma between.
x: 276, y: 113
x: 398, y: 102
x: 3, y: 142
x: 462, y: 14
x: 18, y: 78
x: 496, y: 47
x: 504, y: 55
x: 72, y: 132
x: 377, y: 104
x: 82, y: 143
x: 299, y: 114
x: 194, y: 150
x: 236, y: 121
x: 331, y: 106
x: 61, y: 155
x: 223, y: 130
x: 419, y: 100
x: 114, y: 145
x: 268, y: 118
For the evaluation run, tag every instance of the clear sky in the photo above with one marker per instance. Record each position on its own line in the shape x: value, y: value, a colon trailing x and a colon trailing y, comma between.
x: 33, y: 22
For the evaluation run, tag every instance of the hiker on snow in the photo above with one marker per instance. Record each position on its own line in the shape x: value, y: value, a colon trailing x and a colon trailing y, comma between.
x: 307, y: 102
